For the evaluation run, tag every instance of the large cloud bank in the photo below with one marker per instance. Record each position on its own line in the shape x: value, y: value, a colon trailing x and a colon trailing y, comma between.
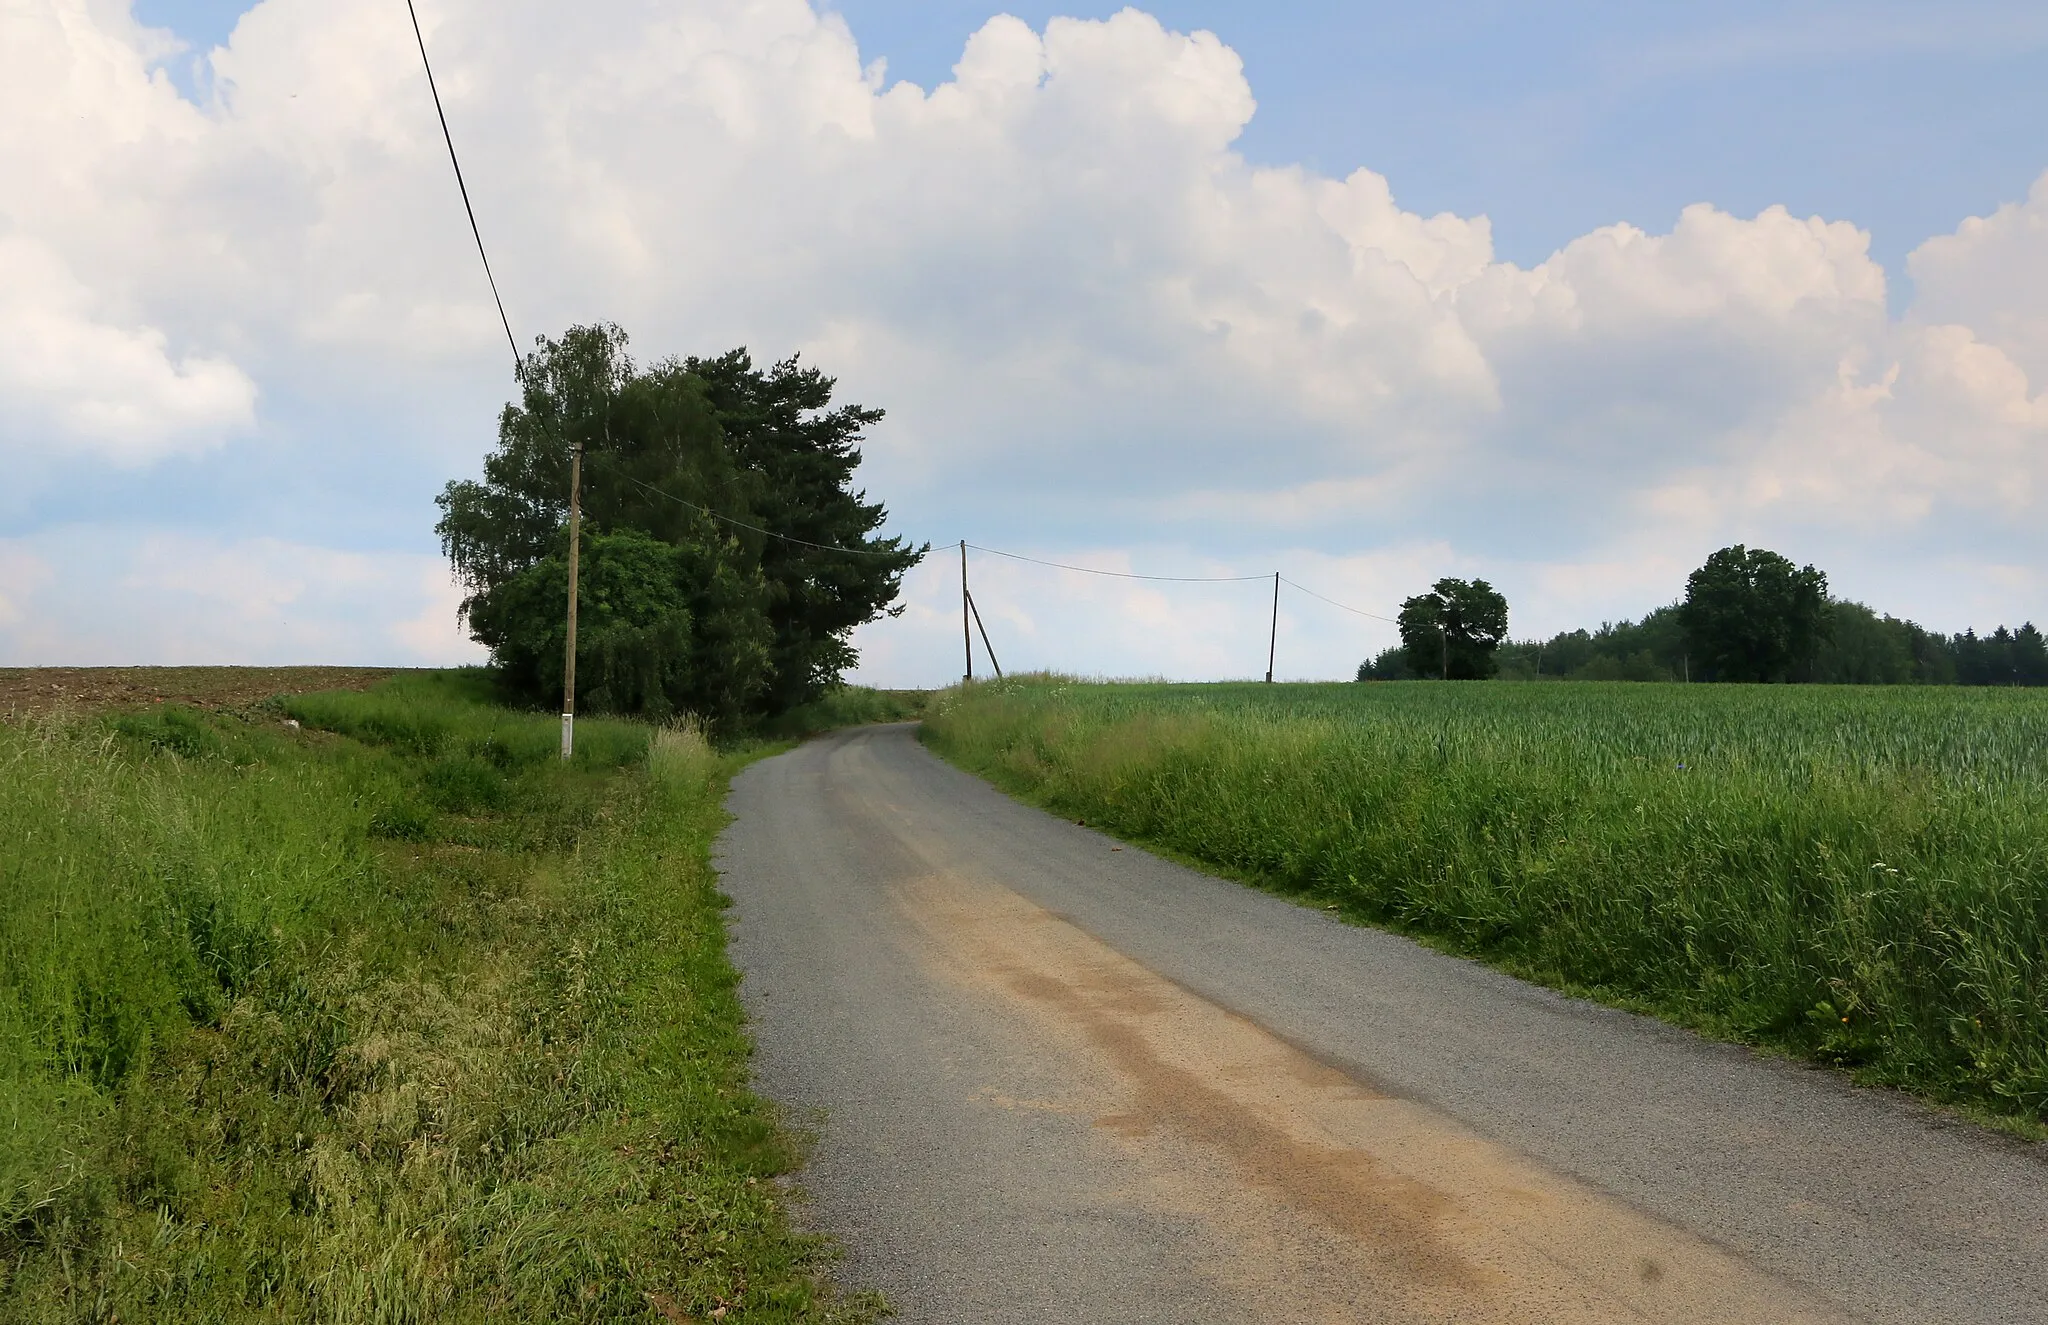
x: 1097, y: 327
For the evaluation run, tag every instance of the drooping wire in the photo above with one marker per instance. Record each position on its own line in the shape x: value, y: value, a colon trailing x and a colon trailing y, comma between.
x: 1355, y: 611
x: 1013, y: 556
x: 742, y: 524
x: 449, y: 138
x: 1119, y: 574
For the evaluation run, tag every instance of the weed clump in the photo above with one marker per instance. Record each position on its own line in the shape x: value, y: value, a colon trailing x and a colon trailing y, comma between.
x: 680, y: 758
x: 173, y: 727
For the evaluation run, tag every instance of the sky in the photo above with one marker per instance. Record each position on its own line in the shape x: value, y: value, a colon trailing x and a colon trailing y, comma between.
x: 1566, y: 296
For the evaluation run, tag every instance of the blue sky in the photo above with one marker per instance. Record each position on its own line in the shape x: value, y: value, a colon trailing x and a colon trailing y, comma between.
x: 1122, y: 343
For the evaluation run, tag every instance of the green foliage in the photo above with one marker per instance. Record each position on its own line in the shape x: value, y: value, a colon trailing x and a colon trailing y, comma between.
x: 1855, y: 875
x: 1860, y: 647
x: 685, y: 605
x: 414, y: 1024
x: 801, y: 452
x: 1451, y: 632
x: 1387, y: 665
x: 177, y: 728
x: 1750, y: 615
x: 2004, y: 657
x: 1652, y: 649
x: 847, y: 706
x: 661, y: 629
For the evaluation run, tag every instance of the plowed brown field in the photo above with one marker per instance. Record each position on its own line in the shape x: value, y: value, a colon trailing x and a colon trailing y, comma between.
x: 26, y: 690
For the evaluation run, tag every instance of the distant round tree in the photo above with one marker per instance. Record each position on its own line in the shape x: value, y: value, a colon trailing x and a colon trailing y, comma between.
x: 1751, y: 615
x: 1451, y: 632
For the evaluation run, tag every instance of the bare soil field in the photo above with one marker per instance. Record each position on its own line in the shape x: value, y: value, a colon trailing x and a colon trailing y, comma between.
x: 27, y: 690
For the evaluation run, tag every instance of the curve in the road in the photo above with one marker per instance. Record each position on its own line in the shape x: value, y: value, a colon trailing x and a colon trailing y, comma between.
x: 1055, y: 1078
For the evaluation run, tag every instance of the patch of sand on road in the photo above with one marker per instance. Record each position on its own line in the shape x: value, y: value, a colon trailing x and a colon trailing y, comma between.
x: 1322, y: 1198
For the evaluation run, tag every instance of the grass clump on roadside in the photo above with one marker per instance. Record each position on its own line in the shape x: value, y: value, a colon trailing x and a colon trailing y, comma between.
x: 1856, y: 875
x: 407, y: 1023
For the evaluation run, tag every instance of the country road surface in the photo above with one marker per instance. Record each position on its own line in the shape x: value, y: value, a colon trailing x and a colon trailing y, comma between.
x: 1056, y: 1080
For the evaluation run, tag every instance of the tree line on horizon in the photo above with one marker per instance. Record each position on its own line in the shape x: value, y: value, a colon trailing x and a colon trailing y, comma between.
x: 1748, y: 615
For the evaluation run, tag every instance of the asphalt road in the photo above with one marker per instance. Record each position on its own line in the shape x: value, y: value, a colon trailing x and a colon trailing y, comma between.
x: 1057, y: 1079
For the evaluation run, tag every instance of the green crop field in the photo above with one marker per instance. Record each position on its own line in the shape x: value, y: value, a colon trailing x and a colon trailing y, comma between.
x: 386, y: 1016
x: 1859, y: 875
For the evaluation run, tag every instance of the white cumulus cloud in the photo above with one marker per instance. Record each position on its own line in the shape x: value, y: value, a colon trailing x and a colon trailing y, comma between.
x: 72, y: 379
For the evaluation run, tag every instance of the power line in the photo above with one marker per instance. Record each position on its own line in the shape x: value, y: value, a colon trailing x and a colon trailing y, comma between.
x: 1120, y: 574
x: 1334, y: 603
x: 449, y: 138
x: 742, y: 524
x: 1014, y: 556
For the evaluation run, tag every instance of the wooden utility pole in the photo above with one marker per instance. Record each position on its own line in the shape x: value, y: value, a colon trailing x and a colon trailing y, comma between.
x: 966, y: 637
x: 1273, y: 640
x: 569, y: 650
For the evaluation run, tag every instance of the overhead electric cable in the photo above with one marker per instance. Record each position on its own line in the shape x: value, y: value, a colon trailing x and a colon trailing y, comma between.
x: 449, y: 138
x: 1013, y: 556
x: 1120, y: 574
x: 1334, y: 603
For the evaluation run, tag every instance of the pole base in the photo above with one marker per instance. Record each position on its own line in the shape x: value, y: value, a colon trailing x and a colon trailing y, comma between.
x: 568, y: 735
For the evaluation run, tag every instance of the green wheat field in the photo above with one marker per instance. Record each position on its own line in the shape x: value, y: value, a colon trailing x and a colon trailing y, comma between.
x: 1857, y: 875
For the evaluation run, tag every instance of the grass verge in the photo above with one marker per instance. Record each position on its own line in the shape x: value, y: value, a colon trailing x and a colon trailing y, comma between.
x: 387, y: 1017
x: 1856, y: 877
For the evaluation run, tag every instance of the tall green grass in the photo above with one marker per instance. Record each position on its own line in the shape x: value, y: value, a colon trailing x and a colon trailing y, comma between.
x: 412, y: 1024
x: 1858, y: 875
x: 456, y: 715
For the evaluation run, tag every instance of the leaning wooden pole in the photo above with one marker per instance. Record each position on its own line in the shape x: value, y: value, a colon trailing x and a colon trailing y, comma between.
x: 984, y: 637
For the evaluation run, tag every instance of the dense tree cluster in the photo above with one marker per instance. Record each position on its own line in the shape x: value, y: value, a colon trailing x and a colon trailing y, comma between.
x: 1862, y: 647
x: 725, y: 557
x: 1750, y: 615
x: 1451, y: 632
